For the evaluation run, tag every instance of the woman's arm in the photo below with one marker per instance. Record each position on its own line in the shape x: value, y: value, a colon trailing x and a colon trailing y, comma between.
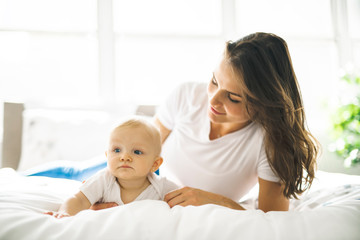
x: 191, y: 196
x: 271, y: 197
x: 164, y: 132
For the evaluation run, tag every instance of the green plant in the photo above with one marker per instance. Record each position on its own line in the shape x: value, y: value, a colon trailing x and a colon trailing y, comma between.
x: 346, y: 125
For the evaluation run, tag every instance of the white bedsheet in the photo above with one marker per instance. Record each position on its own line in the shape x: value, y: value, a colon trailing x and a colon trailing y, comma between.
x: 331, y: 210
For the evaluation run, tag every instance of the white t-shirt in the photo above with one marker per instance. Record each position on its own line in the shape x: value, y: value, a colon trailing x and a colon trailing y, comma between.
x: 229, y: 165
x: 103, y: 187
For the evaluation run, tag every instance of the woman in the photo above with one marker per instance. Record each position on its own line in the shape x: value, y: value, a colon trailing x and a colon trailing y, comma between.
x: 247, y: 125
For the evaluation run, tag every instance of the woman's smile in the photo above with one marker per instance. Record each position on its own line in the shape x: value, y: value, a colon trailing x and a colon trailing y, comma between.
x: 213, y: 110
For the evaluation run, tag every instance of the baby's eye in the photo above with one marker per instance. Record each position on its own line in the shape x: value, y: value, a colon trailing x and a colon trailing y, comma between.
x: 138, y: 152
x: 117, y: 150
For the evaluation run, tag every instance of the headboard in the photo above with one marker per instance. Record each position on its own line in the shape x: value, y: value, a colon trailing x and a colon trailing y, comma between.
x: 16, y: 122
x: 12, y: 134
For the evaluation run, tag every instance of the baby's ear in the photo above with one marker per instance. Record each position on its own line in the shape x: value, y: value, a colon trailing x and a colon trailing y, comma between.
x: 106, y: 153
x: 157, y: 164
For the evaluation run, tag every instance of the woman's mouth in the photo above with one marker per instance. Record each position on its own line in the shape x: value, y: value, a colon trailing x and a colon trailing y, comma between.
x: 215, y: 112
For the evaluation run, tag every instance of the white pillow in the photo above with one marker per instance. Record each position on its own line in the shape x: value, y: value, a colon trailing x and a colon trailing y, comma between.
x: 72, y: 135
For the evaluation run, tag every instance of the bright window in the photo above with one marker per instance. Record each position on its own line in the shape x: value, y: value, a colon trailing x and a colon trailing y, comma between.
x: 162, y: 43
x: 51, y: 52
x: 48, y: 15
x: 48, y: 51
x: 299, y: 19
x: 168, y: 17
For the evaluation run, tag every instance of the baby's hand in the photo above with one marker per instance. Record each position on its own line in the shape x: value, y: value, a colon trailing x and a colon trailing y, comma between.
x: 57, y: 214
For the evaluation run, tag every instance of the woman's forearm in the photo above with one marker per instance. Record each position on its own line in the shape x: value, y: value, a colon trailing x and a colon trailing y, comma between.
x: 227, y: 202
x: 191, y: 196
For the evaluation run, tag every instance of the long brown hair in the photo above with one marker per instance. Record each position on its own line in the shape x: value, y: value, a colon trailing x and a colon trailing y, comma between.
x: 272, y: 97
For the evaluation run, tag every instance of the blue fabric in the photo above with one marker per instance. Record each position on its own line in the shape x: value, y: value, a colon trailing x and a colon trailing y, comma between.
x: 67, y: 169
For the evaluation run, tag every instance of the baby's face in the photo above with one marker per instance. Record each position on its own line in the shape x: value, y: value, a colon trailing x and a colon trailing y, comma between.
x: 131, y: 153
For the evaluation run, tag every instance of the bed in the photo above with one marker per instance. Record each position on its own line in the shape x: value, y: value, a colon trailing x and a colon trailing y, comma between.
x: 329, y: 210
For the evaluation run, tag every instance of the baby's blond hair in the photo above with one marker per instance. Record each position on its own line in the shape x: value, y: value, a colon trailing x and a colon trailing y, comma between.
x: 149, y: 127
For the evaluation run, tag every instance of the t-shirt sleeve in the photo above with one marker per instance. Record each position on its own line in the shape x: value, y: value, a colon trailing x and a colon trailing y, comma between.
x: 94, y: 187
x: 167, y: 112
x: 264, y: 170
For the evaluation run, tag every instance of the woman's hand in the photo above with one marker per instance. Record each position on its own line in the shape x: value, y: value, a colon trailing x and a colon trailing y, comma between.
x: 100, y: 206
x: 191, y: 196
x: 186, y: 196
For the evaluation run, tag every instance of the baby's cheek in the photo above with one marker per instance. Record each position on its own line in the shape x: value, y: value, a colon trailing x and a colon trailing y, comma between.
x: 111, y: 162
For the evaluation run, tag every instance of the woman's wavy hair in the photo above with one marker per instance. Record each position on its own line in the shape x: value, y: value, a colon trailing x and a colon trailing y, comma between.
x: 272, y: 98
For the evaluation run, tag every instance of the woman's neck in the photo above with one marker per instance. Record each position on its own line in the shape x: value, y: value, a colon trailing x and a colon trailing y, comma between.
x: 218, y: 130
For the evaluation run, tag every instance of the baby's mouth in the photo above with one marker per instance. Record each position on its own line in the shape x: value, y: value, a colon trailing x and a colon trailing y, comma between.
x: 125, y: 166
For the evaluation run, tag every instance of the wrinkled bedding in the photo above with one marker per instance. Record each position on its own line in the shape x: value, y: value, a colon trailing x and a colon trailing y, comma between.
x: 330, y: 210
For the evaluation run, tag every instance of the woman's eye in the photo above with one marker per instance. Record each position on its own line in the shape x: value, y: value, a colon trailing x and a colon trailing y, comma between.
x: 117, y: 150
x: 138, y: 152
x: 213, y: 81
x: 233, y: 100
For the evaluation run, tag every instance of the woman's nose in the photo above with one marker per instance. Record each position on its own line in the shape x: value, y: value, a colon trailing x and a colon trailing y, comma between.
x: 216, y: 98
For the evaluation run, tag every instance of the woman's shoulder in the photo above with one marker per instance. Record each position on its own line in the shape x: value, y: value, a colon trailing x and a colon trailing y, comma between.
x: 257, y: 128
x: 189, y: 87
x: 253, y: 132
x: 257, y: 131
x: 192, y: 91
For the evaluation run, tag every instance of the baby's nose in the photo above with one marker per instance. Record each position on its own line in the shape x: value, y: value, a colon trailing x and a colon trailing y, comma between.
x: 125, y: 157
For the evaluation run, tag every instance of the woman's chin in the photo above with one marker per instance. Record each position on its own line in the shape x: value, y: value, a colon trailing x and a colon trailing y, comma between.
x: 213, y: 118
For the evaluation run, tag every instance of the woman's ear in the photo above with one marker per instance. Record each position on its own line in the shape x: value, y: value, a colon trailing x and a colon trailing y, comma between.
x: 157, y: 164
x: 106, y: 153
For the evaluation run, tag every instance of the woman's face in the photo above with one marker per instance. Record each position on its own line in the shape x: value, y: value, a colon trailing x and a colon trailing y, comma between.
x: 225, y: 101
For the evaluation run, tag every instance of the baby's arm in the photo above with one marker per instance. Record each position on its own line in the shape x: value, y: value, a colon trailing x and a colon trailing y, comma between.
x: 72, y: 206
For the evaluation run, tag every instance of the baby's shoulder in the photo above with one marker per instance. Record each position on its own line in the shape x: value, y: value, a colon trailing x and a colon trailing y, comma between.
x: 164, y: 184
x: 104, y: 175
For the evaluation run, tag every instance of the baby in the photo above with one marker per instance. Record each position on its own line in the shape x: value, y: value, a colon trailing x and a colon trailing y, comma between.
x: 133, y: 157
